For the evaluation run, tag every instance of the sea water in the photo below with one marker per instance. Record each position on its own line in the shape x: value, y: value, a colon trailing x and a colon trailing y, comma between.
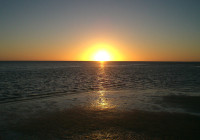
x: 151, y: 86
x: 28, y: 89
x: 29, y: 80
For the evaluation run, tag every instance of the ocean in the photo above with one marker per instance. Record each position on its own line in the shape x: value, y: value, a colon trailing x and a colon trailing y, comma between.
x: 27, y: 88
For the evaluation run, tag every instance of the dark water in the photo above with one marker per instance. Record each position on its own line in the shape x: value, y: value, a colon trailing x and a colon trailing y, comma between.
x: 28, y: 80
x: 51, y: 100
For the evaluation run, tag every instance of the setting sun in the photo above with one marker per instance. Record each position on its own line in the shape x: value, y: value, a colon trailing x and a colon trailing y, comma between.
x: 101, y: 52
x: 102, y: 56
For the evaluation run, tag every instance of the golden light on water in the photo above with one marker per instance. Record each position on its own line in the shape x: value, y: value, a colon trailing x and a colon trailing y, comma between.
x: 102, y: 102
x: 102, y: 64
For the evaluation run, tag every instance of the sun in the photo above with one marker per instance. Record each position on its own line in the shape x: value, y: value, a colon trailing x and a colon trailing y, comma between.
x: 102, y: 56
x: 101, y: 52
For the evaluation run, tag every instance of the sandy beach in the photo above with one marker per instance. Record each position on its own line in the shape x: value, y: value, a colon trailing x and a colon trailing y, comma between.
x: 98, y: 116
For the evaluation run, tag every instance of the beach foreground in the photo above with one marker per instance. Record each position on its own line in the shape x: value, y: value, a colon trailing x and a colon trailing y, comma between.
x: 101, y: 115
x: 87, y: 123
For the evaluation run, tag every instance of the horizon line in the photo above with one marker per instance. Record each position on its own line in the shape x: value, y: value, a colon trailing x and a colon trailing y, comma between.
x: 83, y: 61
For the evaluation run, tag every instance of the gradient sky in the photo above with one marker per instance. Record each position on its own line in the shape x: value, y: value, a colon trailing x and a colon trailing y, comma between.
x: 138, y: 30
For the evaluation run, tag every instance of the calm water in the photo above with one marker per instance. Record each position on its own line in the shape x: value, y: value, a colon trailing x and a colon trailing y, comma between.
x: 29, y: 80
x: 30, y: 90
x: 28, y: 87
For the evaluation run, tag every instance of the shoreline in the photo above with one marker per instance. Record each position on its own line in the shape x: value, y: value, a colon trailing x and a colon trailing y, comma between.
x: 102, y: 115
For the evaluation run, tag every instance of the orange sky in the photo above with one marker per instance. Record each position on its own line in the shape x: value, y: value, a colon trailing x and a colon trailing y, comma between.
x: 77, y: 30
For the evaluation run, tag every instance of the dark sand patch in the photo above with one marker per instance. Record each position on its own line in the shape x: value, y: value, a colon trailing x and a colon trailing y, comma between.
x: 189, y: 103
x: 82, y: 123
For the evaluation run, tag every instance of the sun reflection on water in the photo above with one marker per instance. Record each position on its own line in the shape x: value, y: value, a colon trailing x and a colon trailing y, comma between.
x: 102, y: 64
x: 101, y: 101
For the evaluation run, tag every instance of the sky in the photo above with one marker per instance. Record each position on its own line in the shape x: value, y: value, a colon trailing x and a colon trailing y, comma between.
x: 74, y: 30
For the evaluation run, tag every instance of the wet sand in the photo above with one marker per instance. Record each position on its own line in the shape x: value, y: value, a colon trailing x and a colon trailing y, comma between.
x: 189, y: 103
x: 100, y: 116
x: 82, y: 123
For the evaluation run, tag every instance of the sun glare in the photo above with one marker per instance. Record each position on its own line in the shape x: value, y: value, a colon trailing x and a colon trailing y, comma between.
x: 102, y: 56
x: 101, y: 52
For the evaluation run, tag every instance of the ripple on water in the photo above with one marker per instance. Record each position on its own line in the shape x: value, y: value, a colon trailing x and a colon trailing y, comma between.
x: 28, y: 80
